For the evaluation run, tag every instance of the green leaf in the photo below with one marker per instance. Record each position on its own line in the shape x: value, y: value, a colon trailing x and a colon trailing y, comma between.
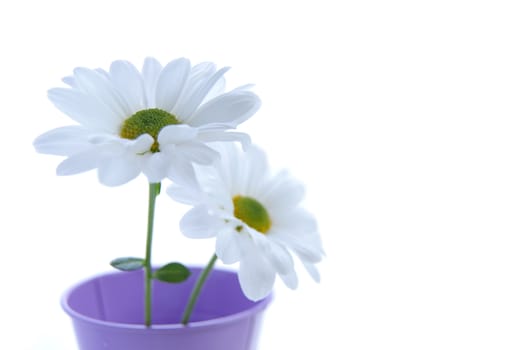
x: 128, y: 263
x: 172, y: 273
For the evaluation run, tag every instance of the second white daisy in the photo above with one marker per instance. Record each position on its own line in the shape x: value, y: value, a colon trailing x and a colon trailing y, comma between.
x: 256, y: 218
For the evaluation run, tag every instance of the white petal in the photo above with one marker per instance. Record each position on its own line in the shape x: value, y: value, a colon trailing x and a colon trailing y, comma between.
x: 187, y: 107
x: 156, y: 167
x: 234, y: 108
x: 85, y: 109
x: 202, y: 71
x: 79, y: 163
x: 216, y: 90
x: 70, y: 80
x: 151, y: 70
x: 197, y: 223
x: 171, y: 81
x: 176, y: 134
x: 102, y: 72
x: 290, y: 280
x: 227, y: 247
x: 282, y: 193
x: 182, y: 173
x: 97, y: 85
x: 127, y: 79
x: 222, y: 136
x: 117, y: 171
x: 308, y: 253
x: 312, y: 270
x: 186, y: 195
x: 256, y: 276
x: 235, y: 168
x: 306, y: 244
x: 214, y: 192
x: 64, y: 141
x: 257, y: 170
x: 230, y: 168
x: 245, y: 87
x: 297, y: 220
x: 198, y: 153
x: 111, y: 147
x: 140, y: 145
x: 261, y: 242
x: 198, y: 75
x: 280, y: 258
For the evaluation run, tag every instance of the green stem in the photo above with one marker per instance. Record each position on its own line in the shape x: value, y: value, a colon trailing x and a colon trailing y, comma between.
x: 153, y: 192
x: 197, y: 289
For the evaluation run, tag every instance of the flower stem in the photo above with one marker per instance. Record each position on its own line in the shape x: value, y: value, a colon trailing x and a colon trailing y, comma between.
x: 153, y: 192
x: 197, y: 289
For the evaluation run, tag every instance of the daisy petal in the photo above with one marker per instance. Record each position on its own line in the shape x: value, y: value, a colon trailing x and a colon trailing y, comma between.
x: 97, y: 85
x: 290, y: 280
x: 312, y: 270
x: 69, y: 80
x: 84, y: 109
x: 256, y: 276
x: 201, y: 71
x: 216, y: 90
x: 199, y: 153
x: 297, y: 220
x: 186, y: 109
x: 182, y: 173
x: 79, y: 163
x: 155, y: 167
x: 151, y: 70
x: 127, y: 79
x: 305, y: 244
x: 233, y: 107
x: 227, y: 247
x: 197, y: 223
x: 176, y: 134
x: 171, y: 81
x: 280, y: 258
x: 185, y: 195
x: 245, y: 87
x: 283, y: 192
x: 257, y: 171
x: 102, y: 72
x: 64, y: 141
x: 222, y: 136
x: 141, y: 145
x: 198, y: 74
x: 115, y: 171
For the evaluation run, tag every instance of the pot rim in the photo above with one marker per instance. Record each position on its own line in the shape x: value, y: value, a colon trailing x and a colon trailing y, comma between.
x: 197, y: 325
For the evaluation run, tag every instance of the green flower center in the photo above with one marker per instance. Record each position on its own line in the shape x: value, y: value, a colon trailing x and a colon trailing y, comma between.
x: 252, y: 212
x: 148, y: 121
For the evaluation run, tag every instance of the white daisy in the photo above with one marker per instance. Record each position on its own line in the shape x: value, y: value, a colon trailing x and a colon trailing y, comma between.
x: 155, y: 122
x: 255, y: 216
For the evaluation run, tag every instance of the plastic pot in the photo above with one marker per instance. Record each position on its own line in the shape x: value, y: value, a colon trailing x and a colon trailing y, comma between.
x: 108, y: 314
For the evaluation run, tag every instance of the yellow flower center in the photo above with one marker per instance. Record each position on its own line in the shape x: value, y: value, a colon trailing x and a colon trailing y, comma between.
x: 252, y: 212
x: 148, y: 121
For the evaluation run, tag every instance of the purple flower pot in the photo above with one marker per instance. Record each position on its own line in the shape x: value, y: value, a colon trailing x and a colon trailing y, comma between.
x: 107, y: 313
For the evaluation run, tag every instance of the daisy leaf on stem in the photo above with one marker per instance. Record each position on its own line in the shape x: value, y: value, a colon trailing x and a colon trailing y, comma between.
x: 128, y: 263
x: 172, y: 273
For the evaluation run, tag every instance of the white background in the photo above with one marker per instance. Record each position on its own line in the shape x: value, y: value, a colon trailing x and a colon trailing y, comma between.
x: 406, y: 120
